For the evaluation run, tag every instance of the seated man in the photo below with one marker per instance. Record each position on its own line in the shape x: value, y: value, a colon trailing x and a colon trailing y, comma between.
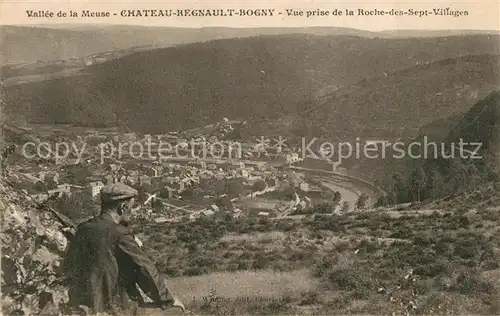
x: 104, y: 264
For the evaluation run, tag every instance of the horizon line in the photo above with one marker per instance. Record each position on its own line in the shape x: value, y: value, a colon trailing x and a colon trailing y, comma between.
x: 70, y: 25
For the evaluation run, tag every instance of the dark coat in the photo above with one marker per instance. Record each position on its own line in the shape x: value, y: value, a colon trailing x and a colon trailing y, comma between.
x: 104, y: 264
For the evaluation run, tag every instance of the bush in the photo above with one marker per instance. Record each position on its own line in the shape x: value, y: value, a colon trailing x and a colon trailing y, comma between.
x: 193, y: 271
x: 362, y: 200
x: 309, y: 298
x: 261, y: 261
x: 242, y: 265
x: 465, y: 251
x: 471, y: 284
x: 350, y: 279
x: 325, y: 264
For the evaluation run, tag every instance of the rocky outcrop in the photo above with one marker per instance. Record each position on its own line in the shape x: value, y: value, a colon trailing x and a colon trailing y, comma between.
x: 32, y: 247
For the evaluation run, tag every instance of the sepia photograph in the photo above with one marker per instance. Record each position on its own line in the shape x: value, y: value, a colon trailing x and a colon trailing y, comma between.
x: 250, y: 158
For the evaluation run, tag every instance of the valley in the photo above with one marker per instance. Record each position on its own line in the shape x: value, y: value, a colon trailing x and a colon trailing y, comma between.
x: 278, y: 228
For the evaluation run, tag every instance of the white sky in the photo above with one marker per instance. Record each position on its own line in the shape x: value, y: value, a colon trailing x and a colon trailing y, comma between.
x: 484, y: 15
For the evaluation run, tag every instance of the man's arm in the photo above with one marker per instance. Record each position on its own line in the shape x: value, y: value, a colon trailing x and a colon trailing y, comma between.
x: 146, y: 274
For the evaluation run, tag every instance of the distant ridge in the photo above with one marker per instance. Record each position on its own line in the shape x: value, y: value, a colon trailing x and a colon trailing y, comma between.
x: 271, y: 77
x: 21, y: 43
x: 435, y: 33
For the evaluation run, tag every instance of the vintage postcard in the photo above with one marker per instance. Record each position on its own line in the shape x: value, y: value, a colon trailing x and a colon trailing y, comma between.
x: 250, y: 157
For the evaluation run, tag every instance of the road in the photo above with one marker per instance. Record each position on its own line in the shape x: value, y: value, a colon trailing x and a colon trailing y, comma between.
x: 347, y: 195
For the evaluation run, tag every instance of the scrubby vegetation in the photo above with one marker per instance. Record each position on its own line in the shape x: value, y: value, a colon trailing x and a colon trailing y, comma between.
x: 402, y: 261
x: 444, y: 172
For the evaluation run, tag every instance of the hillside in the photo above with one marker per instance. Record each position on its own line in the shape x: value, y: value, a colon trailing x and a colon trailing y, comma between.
x: 260, y: 77
x: 439, y: 129
x: 400, y: 103
x: 449, y: 172
x: 405, y: 260
x: 481, y: 124
x: 440, y: 33
x: 21, y: 43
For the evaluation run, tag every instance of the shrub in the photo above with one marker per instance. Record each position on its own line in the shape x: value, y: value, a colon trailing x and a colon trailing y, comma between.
x: 465, y: 251
x: 471, y: 284
x: 193, y: 271
x: 309, y: 298
x: 350, y: 279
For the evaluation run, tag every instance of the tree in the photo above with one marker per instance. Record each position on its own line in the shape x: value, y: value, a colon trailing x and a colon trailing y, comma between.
x: 289, y: 192
x: 220, y: 187
x: 382, y: 201
x: 259, y: 185
x: 141, y: 194
x: 399, y: 189
x: 337, y: 197
x: 458, y: 175
x: 40, y: 186
x: 234, y: 186
x: 323, y: 208
x: 473, y: 176
x: 78, y: 205
x: 361, y: 203
x: 417, y: 182
x: 435, y: 183
x: 271, y: 182
x: 77, y: 174
x: 491, y: 166
x: 198, y: 192
x: 345, y: 207
x: 298, y: 209
x: 224, y: 203
x: 156, y: 204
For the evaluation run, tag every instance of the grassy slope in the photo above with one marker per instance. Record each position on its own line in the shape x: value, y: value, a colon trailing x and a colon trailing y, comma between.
x: 349, y: 264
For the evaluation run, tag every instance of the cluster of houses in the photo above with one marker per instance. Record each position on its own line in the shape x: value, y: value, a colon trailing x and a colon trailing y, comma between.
x: 211, y: 211
x: 48, y: 179
x: 174, y: 178
x: 302, y: 203
x: 177, y: 178
x: 235, y: 212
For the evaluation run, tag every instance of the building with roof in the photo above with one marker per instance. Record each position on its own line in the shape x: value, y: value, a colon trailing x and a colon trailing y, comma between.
x: 60, y: 189
x: 160, y: 220
x: 207, y: 212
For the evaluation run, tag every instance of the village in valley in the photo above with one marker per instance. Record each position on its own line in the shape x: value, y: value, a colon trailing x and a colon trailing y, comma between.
x: 261, y: 183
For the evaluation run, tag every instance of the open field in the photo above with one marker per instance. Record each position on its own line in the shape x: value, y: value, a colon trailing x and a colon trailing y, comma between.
x: 243, y: 285
x: 241, y: 293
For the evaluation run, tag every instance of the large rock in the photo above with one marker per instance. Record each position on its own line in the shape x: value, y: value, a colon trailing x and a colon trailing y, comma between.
x: 32, y: 248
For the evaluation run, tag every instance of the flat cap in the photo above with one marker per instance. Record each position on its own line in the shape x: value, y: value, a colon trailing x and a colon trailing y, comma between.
x: 116, y: 192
